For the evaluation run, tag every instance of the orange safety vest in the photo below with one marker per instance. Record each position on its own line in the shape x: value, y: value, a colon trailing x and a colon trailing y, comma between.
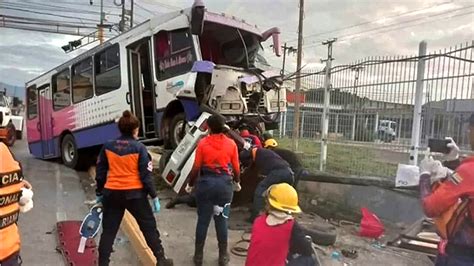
x: 123, y: 171
x: 449, y: 222
x: 10, y: 192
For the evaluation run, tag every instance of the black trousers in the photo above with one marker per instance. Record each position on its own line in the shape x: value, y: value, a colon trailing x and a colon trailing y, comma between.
x: 115, y: 205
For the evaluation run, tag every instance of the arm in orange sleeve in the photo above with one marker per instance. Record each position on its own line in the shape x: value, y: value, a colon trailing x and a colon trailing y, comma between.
x: 196, y: 166
x: 439, y: 201
x: 236, y: 164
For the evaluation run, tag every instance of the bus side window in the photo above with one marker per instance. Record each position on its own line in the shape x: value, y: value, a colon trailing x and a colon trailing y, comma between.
x: 174, y: 53
x: 32, y: 102
x: 107, y: 70
x: 61, y: 90
x: 82, y: 88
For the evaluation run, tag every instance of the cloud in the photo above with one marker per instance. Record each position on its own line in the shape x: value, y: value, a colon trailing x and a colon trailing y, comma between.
x: 23, y: 54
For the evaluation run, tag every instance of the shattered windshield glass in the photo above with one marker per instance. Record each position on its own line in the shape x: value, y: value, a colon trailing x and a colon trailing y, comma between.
x: 225, y: 45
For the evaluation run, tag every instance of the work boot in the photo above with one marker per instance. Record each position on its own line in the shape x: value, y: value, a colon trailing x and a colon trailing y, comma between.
x: 163, y: 261
x: 198, y: 254
x: 224, y: 257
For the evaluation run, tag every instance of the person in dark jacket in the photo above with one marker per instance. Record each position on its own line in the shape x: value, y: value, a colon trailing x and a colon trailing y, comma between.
x: 216, y: 165
x: 276, y: 235
x: 124, y: 181
x: 272, y: 167
x: 289, y: 156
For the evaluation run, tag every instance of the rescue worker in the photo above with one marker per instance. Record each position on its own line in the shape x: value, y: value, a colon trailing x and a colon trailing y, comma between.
x: 124, y: 181
x: 11, y: 204
x: 276, y: 236
x: 448, y: 197
x: 217, y: 165
x: 289, y: 156
x: 272, y: 167
x: 250, y: 138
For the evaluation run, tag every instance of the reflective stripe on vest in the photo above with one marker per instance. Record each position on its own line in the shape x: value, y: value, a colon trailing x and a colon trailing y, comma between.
x: 10, y: 192
x: 123, y: 171
x: 449, y: 222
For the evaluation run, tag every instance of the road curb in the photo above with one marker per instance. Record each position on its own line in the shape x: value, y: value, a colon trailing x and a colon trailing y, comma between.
x: 131, y: 229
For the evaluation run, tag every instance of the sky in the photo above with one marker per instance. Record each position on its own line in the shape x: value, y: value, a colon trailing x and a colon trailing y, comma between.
x: 363, y: 28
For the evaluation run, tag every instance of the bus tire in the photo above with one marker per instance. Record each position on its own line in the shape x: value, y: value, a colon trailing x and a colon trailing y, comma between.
x: 176, y: 130
x: 70, y: 153
x: 19, y: 134
x: 321, y: 233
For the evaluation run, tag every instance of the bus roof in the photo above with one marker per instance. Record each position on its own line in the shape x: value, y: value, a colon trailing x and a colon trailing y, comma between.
x: 152, y: 23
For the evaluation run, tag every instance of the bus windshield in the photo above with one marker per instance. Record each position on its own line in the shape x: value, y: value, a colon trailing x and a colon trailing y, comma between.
x: 226, y: 45
x: 3, y: 101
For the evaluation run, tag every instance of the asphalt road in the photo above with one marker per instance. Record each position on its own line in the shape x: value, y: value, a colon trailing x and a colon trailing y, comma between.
x: 58, y: 196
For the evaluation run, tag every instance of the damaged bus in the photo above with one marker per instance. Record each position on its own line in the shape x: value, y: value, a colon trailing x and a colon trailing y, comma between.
x: 164, y: 70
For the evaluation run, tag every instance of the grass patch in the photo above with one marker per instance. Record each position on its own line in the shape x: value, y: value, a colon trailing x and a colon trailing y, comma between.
x: 341, y: 159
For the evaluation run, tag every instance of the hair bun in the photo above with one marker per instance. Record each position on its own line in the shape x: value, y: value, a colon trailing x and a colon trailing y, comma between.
x: 127, y: 114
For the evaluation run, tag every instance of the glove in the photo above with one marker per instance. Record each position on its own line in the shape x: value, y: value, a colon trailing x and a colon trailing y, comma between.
x: 236, y: 186
x: 26, y: 200
x: 155, y: 205
x: 99, y: 199
x: 188, y: 189
x: 247, y: 145
x: 434, y: 168
x: 453, y: 150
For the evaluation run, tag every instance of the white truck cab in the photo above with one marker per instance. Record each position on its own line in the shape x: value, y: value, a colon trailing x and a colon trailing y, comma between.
x: 11, y: 126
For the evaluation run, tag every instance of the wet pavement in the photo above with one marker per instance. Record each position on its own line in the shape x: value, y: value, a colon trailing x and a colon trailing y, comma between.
x: 58, y: 196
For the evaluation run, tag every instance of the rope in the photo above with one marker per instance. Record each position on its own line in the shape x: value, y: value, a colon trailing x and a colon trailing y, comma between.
x: 238, y: 250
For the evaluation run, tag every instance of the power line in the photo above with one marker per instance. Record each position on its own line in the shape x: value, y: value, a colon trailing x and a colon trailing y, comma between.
x: 400, y: 25
x: 370, y: 22
x: 47, y: 14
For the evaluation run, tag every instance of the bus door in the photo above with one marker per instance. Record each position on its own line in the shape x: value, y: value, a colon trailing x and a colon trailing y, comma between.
x: 142, y: 86
x: 46, y: 121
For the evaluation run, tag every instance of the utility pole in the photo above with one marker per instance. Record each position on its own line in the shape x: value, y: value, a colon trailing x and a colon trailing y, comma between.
x: 325, y: 117
x: 296, y: 116
x: 131, y: 14
x: 286, y: 49
x: 100, y: 26
x: 122, y: 20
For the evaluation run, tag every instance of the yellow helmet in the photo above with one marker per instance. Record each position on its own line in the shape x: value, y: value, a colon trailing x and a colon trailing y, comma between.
x: 270, y: 143
x: 283, y: 197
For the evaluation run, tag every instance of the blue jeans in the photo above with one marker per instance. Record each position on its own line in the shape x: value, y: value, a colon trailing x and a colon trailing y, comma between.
x: 451, y: 260
x: 274, y: 177
x: 212, y: 191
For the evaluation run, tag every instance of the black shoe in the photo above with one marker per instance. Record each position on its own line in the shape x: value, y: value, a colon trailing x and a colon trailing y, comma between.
x: 224, y: 257
x: 198, y: 254
x: 163, y: 261
x: 171, y: 203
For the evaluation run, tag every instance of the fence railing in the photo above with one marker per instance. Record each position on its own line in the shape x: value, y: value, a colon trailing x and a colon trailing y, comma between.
x: 372, y: 109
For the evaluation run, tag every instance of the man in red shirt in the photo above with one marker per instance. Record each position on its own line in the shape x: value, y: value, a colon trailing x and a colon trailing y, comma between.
x: 448, y: 197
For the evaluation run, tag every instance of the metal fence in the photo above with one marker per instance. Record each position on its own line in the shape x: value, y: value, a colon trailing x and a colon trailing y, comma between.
x: 372, y: 118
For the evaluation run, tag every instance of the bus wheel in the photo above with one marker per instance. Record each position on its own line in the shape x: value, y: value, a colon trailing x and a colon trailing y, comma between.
x: 11, y: 135
x: 70, y: 153
x: 177, y: 130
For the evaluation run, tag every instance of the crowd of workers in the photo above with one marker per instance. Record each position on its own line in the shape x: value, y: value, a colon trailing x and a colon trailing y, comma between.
x: 124, y: 182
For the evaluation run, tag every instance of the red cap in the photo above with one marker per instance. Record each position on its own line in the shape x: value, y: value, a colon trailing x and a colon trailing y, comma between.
x: 244, y: 133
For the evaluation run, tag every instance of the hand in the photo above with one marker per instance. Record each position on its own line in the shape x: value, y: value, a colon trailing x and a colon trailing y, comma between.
x: 247, y: 145
x: 155, y: 205
x: 434, y: 168
x: 453, y: 150
x: 27, y: 184
x: 236, y: 186
x: 99, y: 199
x: 188, y: 188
